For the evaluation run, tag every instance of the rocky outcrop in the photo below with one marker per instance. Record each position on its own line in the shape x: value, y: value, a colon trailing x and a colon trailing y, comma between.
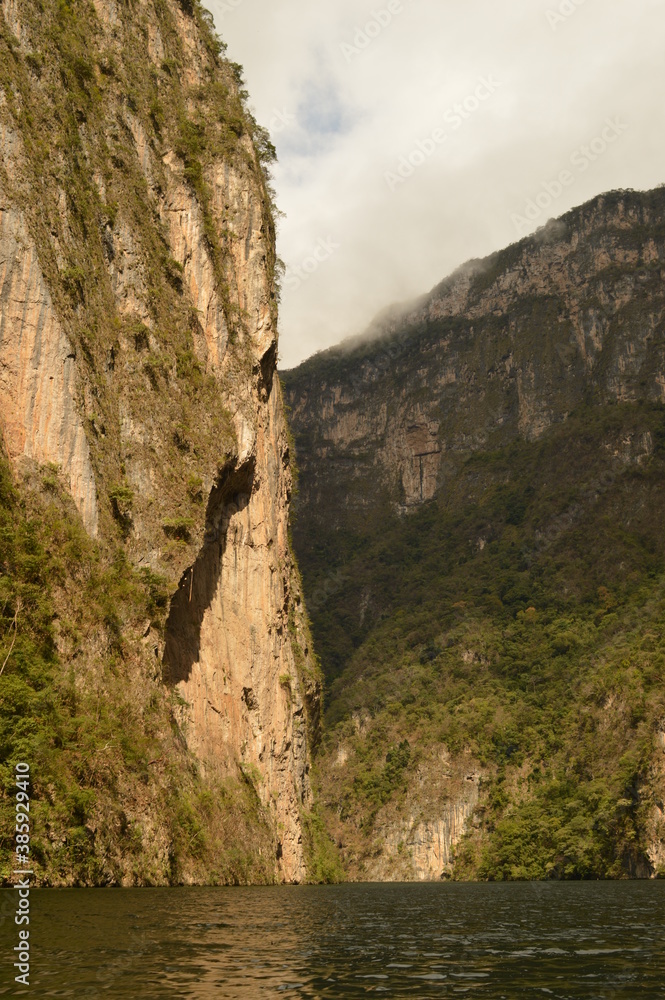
x: 656, y: 825
x: 413, y: 836
x: 229, y: 649
x: 416, y: 849
x: 428, y: 844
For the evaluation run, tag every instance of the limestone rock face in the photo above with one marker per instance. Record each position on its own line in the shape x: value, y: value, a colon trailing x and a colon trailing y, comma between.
x: 138, y: 343
x: 420, y: 846
x: 506, y: 347
x: 38, y: 371
x: 656, y: 847
x: 429, y: 844
x: 38, y: 379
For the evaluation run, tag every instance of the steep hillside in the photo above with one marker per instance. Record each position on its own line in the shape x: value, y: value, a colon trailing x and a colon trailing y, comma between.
x: 480, y: 528
x: 157, y: 675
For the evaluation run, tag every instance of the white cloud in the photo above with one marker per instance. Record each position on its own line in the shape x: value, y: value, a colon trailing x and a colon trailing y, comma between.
x: 342, y: 119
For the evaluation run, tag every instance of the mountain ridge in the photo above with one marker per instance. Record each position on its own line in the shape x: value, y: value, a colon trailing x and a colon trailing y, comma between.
x: 389, y: 320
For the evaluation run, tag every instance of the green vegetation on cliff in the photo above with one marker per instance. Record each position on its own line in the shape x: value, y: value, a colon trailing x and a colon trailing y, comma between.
x: 82, y: 104
x: 102, y: 740
x: 517, y: 619
x: 480, y: 531
x: 125, y: 142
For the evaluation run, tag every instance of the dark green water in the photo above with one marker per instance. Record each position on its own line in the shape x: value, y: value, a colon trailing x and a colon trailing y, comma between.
x: 604, y: 941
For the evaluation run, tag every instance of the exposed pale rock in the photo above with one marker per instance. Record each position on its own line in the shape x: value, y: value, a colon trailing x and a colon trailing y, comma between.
x: 418, y: 842
x: 228, y: 648
x: 427, y: 844
x: 126, y: 271
x: 507, y: 346
x: 184, y: 218
x: 107, y: 12
x: 38, y: 410
x: 656, y: 824
x: 12, y: 14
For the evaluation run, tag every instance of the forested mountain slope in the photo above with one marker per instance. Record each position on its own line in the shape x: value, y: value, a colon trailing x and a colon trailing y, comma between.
x: 480, y: 527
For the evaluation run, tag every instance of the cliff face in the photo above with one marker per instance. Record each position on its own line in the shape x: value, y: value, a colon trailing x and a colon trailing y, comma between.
x: 478, y: 472
x: 137, y: 355
x: 37, y: 392
x: 506, y: 347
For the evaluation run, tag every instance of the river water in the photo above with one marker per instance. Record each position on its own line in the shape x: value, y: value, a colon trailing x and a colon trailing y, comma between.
x: 604, y: 941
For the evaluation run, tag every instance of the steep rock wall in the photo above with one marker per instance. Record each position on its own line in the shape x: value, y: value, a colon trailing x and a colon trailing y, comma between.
x: 229, y: 648
x: 656, y: 847
x: 38, y: 389
x: 506, y: 347
x: 420, y: 847
x: 138, y: 345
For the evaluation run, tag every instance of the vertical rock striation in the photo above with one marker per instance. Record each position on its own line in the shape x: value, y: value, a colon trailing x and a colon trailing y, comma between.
x: 138, y: 345
x: 40, y: 419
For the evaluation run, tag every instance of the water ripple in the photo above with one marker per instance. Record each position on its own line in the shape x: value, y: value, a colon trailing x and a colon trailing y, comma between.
x: 590, y: 941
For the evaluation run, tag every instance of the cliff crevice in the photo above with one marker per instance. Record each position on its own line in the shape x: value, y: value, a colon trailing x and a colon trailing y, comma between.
x: 187, y: 609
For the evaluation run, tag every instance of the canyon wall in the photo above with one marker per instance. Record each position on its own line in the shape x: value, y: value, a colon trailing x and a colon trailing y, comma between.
x: 435, y: 503
x: 37, y: 388
x: 507, y: 346
x: 138, y: 342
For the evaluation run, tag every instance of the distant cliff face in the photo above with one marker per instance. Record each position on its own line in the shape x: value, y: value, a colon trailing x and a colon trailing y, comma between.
x: 137, y: 354
x: 506, y: 347
x: 474, y: 474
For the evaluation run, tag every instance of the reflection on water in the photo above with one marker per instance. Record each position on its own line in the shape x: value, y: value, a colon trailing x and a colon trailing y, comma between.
x: 602, y: 941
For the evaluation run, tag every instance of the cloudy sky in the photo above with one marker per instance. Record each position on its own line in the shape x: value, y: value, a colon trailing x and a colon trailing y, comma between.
x: 415, y: 134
